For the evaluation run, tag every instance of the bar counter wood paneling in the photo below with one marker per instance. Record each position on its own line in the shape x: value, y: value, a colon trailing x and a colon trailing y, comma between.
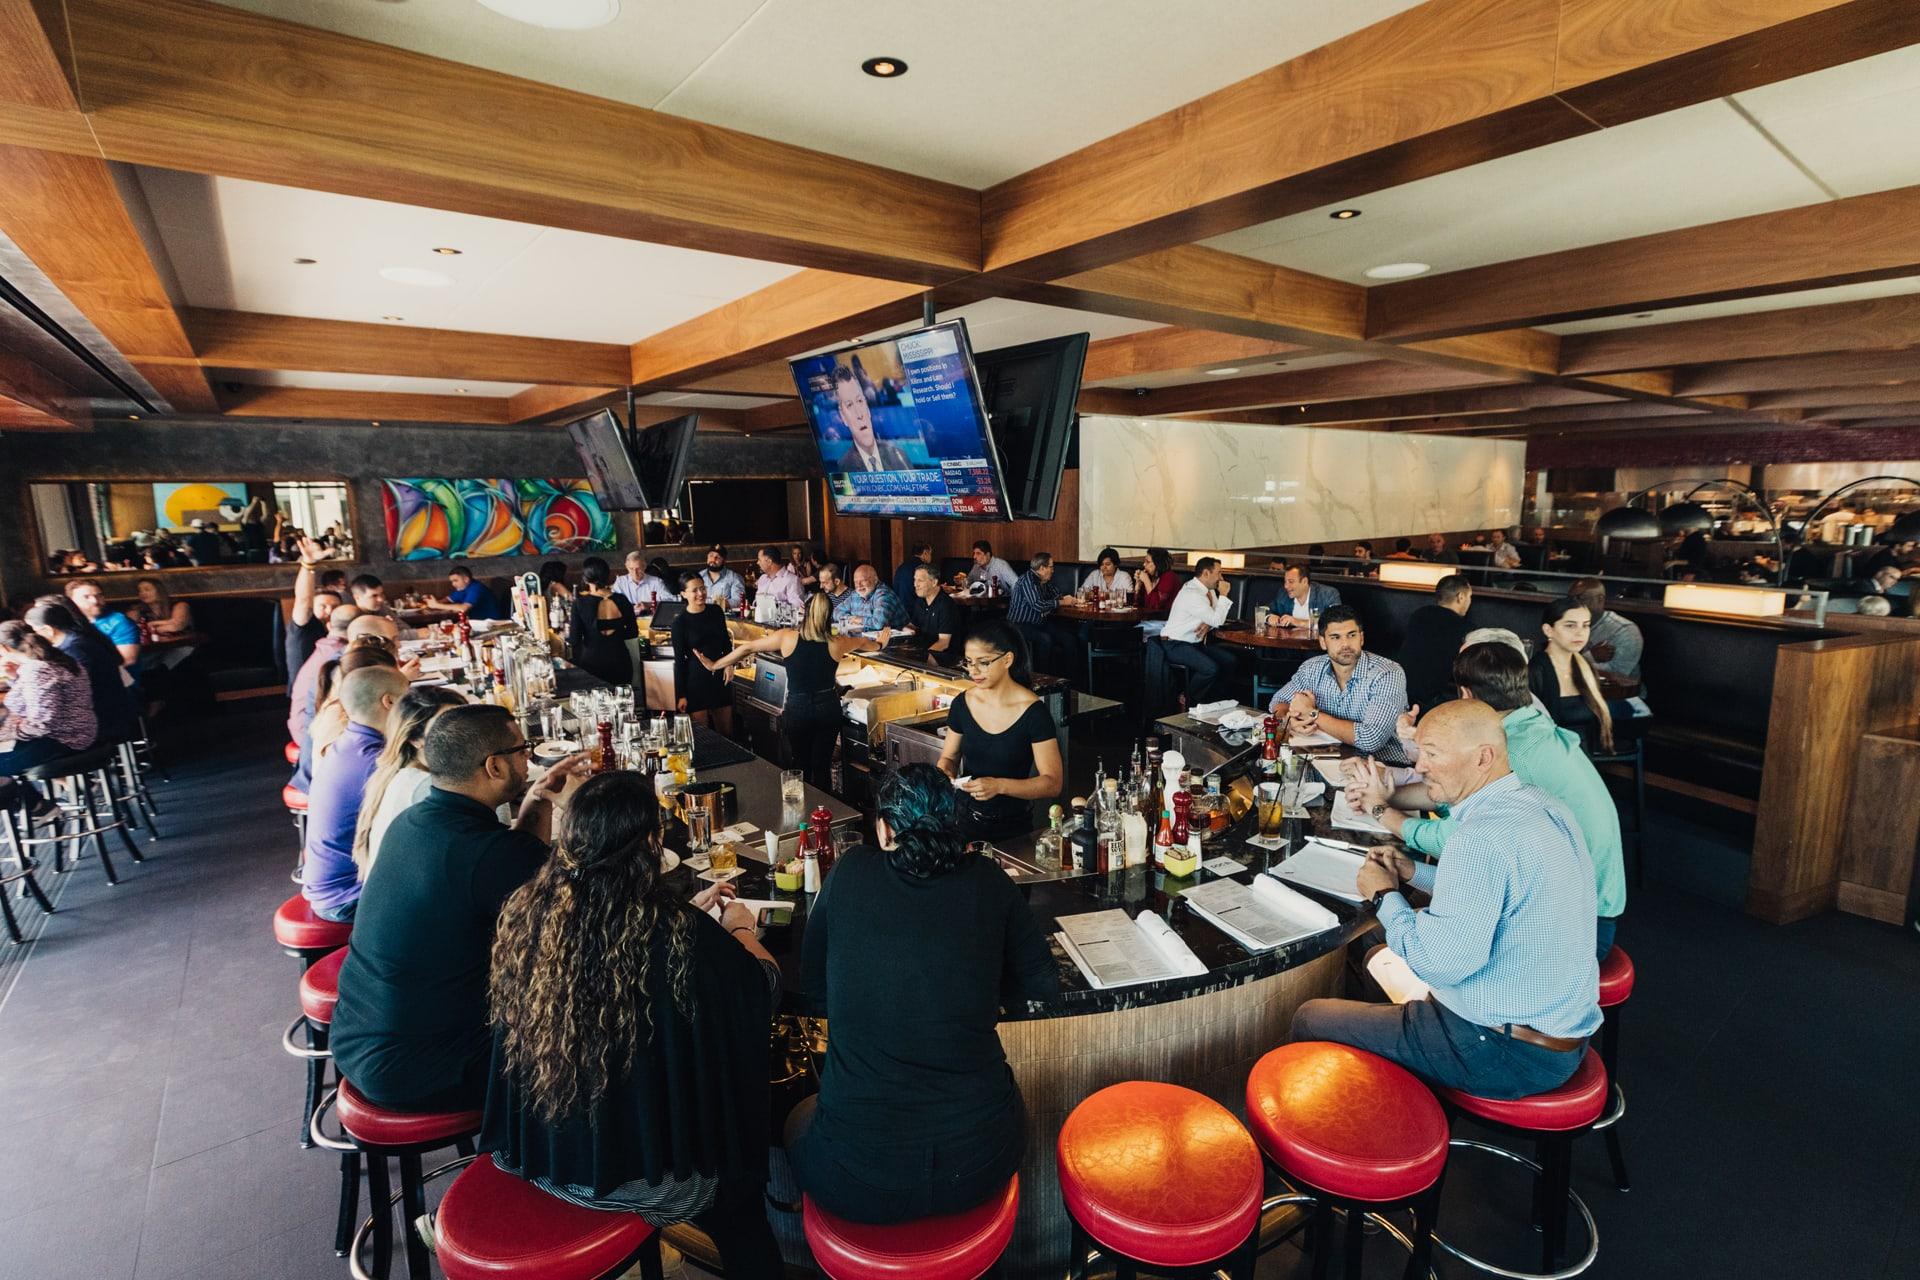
x: 1826, y: 694
x: 1882, y: 837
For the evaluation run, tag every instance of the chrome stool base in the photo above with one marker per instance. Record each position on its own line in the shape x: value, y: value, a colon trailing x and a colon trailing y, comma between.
x: 1488, y: 1268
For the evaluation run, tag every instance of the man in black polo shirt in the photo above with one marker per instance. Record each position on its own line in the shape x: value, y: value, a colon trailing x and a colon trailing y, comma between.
x: 1434, y: 635
x: 937, y: 622
x: 410, y: 1029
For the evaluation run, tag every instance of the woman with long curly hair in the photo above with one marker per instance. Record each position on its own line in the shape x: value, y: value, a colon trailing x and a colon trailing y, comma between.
x: 630, y: 1034
x: 916, y: 945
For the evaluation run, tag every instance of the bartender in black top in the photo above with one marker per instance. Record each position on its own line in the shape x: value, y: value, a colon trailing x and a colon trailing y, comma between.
x: 938, y: 625
x: 1002, y: 747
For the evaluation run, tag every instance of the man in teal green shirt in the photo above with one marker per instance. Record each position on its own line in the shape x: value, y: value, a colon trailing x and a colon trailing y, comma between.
x: 1541, y: 753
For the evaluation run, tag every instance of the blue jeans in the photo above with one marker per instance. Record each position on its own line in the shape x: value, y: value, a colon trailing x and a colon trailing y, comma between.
x: 1439, y: 1045
x: 1604, y: 927
x: 342, y: 914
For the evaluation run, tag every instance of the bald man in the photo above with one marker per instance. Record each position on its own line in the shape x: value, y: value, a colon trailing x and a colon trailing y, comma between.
x: 328, y: 876
x: 1506, y: 944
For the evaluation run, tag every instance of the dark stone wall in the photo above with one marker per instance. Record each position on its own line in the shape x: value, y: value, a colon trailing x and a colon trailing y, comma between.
x: 229, y: 449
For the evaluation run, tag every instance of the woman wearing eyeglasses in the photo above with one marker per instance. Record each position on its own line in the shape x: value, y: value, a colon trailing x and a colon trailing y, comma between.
x: 1001, y: 738
x: 811, y: 654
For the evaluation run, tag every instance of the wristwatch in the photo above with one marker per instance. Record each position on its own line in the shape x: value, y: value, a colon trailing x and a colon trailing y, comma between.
x: 1377, y: 810
x: 1377, y: 895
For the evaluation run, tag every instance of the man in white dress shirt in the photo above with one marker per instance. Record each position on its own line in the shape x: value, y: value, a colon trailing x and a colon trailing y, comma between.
x: 643, y: 590
x: 1198, y: 609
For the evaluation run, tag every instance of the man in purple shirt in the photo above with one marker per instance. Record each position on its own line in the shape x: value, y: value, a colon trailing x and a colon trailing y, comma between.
x: 328, y: 877
x: 778, y: 581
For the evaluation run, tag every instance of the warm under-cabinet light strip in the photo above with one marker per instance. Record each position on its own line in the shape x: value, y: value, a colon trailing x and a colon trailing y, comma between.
x: 1739, y: 602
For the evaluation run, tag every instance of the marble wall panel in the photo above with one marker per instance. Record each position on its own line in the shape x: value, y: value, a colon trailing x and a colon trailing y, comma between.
x: 1225, y: 485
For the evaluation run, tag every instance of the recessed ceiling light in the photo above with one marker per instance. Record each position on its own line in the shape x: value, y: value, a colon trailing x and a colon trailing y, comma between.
x: 1221, y: 373
x: 1344, y: 215
x: 445, y: 252
x: 304, y: 262
x: 422, y: 278
x: 460, y: 391
x: 884, y: 68
x: 558, y: 15
x: 1388, y: 271
x: 133, y: 417
x: 393, y: 319
x: 1644, y: 315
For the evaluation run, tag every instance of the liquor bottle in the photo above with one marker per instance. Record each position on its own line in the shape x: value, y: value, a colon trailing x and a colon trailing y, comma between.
x: 1049, y: 845
x: 1099, y: 778
x: 1085, y: 839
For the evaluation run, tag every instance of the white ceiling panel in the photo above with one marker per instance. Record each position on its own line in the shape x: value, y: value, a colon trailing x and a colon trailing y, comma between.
x: 993, y: 87
x: 1251, y: 369
x: 233, y: 243
x: 1853, y: 126
x: 1742, y: 306
x: 993, y: 323
x: 1701, y: 164
x: 365, y: 382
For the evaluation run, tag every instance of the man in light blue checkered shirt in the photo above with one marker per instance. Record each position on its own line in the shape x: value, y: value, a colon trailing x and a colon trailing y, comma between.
x: 1506, y: 943
x: 1347, y: 692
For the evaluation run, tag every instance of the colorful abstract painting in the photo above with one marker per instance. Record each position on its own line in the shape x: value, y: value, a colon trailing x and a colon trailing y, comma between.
x: 435, y: 519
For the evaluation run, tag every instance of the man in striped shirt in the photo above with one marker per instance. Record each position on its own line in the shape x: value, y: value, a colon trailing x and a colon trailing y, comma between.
x: 1506, y: 943
x: 1030, y: 608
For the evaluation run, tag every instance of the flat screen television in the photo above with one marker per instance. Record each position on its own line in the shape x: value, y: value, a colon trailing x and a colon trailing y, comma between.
x: 901, y: 427
x: 660, y: 454
x: 1030, y: 393
x: 602, y: 447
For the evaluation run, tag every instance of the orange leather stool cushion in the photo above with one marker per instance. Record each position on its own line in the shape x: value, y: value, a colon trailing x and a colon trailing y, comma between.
x: 296, y: 928
x: 1574, y: 1105
x: 1159, y: 1173
x: 292, y: 753
x: 492, y: 1224
x: 378, y: 1127
x: 294, y: 798
x: 959, y: 1246
x: 1616, y: 978
x: 1347, y: 1121
x: 320, y: 986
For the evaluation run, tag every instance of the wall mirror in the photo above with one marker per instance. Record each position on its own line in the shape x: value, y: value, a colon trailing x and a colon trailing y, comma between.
x: 138, y: 526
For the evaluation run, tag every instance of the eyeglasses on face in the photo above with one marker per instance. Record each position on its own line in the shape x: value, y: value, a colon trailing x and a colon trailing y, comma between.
x: 511, y: 751
x: 981, y: 664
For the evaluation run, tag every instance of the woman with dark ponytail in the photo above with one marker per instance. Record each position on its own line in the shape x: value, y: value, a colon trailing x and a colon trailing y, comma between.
x: 1002, y: 748
x: 630, y: 1034
x: 916, y: 946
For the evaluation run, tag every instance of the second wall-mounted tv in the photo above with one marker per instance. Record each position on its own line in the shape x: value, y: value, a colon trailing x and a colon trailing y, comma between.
x: 1030, y: 392
x: 646, y: 471
x: 901, y: 427
x: 660, y: 455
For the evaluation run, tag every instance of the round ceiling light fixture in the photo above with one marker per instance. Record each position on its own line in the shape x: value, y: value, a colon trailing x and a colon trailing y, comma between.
x: 304, y: 262
x: 557, y: 15
x: 419, y: 277
x: 884, y: 68
x: 1221, y: 373
x: 446, y: 252
x: 1398, y: 270
x: 1628, y: 524
x: 393, y: 319
x: 1344, y: 215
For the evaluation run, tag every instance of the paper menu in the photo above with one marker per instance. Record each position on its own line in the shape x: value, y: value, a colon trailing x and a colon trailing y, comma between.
x: 1318, y: 738
x: 1323, y: 868
x: 1258, y: 918
x: 1113, y: 950
x: 1333, y: 771
x: 1396, y: 977
x: 1347, y: 818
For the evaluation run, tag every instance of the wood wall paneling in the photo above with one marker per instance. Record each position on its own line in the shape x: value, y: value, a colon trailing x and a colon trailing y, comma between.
x: 1826, y: 695
x: 1882, y: 840
x: 856, y: 537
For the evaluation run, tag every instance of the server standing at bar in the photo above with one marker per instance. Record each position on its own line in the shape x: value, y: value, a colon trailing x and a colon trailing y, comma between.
x: 603, y: 622
x: 1002, y: 743
x: 1198, y: 610
x: 811, y: 654
x: 701, y: 629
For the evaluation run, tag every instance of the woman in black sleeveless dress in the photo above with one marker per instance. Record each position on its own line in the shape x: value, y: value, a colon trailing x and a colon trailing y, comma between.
x: 701, y: 630
x: 602, y: 624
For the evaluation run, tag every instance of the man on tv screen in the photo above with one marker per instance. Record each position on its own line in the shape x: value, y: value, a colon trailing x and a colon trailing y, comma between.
x: 867, y: 452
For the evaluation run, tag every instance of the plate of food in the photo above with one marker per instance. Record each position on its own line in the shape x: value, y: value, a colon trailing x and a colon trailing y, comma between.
x: 557, y: 749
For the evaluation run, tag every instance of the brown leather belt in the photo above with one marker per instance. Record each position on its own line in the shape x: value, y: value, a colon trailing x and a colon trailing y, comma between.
x: 1556, y: 1043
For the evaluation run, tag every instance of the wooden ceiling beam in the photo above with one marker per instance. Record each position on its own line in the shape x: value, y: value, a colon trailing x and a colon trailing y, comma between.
x: 1869, y: 237
x: 364, y: 406
x: 1826, y: 397
x: 249, y: 340
x: 1441, y: 404
x: 1173, y: 349
x: 1306, y: 387
x: 1868, y: 412
x: 206, y: 88
x: 1759, y: 335
x: 1444, y: 85
x: 1797, y: 372
x: 769, y: 379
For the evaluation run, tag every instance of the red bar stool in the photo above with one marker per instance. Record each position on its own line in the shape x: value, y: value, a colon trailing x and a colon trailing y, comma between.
x: 1616, y: 984
x: 306, y: 1036
x: 1160, y: 1177
x: 1362, y: 1134
x: 1553, y: 1120
x: 304, y: 935
x: 292, y: 753
x: 379, y: 1134
x: 296, y: 801
x: 491, y: 1224
x: 957, y: 1246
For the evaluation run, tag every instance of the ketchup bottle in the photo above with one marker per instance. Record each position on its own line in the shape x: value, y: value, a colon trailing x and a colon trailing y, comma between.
x: 820, y: 836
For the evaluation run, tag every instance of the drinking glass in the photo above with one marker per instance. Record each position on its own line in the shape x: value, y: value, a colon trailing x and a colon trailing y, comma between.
x: 723, y: 855
x: 699, y: 829
x: 1272, y: 810
x: 1260, y: 613
x: 683, y: 733
x: 1293, y: 775
x: 793, y: 789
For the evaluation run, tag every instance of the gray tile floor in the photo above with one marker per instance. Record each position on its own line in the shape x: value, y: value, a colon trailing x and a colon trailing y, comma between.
x: 147, y: 1113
